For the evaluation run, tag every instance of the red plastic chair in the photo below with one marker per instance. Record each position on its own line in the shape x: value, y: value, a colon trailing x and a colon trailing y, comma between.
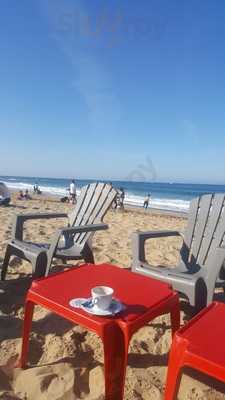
x: 199, y: 345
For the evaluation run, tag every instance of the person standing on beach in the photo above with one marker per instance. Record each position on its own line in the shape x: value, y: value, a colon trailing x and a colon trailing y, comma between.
x: 36, y: 189
x: 73, y: 192
x: 122, y: 196
x: 146, y: 202
x: 119, y: 200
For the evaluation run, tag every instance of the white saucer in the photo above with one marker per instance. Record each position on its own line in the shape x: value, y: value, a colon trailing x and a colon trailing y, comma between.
x: 77, y: 303
x: 115, y: 307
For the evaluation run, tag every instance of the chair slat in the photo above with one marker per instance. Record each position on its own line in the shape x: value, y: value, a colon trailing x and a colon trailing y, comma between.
x: 189, y: 232
x: 89, y: 207
x: 211, y: 228
x: 202, y: 217
x: 107, y: 196
x: 85, y: 206
x: 218, y: 238
x: 81, y: 199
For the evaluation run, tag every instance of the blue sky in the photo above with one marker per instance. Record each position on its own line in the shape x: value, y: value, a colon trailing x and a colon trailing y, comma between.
x: 94, y: 89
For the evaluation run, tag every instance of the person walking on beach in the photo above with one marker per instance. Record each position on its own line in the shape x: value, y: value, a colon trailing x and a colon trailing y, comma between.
x: 36, y: 188
x: 73, y: 192
x: 146, y: 202
x: 122, y: 196
x: 119, y: 200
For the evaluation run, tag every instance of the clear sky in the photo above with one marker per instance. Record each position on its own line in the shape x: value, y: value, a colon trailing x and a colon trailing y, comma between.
x: 94, y: 89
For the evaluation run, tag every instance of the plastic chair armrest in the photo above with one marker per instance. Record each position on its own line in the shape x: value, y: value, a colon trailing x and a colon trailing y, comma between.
x: 17, y: 230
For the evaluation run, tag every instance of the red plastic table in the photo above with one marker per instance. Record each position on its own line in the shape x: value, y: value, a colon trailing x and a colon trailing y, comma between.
x: 144, y: 299
x: 199, y: 345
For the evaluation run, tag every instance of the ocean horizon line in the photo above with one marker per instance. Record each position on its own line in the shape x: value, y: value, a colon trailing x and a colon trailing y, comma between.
x: 168, y: 182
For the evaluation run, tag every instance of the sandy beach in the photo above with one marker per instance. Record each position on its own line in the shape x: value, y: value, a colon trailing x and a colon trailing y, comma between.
x: 65, y: 361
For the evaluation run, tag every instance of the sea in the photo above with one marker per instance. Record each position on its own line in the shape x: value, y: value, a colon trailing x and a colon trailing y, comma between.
x: 174, y: 197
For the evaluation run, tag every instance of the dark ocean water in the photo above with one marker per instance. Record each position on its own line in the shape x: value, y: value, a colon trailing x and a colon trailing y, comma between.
x: 166, y: 196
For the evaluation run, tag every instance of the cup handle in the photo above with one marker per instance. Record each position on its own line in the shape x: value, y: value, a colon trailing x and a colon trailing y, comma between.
x: 94, y: 301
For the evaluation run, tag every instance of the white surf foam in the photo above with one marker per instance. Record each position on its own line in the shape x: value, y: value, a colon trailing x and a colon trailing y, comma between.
x: 178, y: 205
x: 157, y: 203
x: 52, y: 190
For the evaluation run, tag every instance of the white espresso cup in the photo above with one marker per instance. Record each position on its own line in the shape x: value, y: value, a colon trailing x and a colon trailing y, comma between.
x: 102, y: 296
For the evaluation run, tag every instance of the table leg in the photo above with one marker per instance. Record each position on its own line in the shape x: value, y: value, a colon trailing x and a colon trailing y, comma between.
x: 29, y: 308
x: 176, y: 362
x: 175, y: 316
x: 115, y: 361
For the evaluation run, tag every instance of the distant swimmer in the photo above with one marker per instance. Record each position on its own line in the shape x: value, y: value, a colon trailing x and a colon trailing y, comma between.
x: 146, y: 201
